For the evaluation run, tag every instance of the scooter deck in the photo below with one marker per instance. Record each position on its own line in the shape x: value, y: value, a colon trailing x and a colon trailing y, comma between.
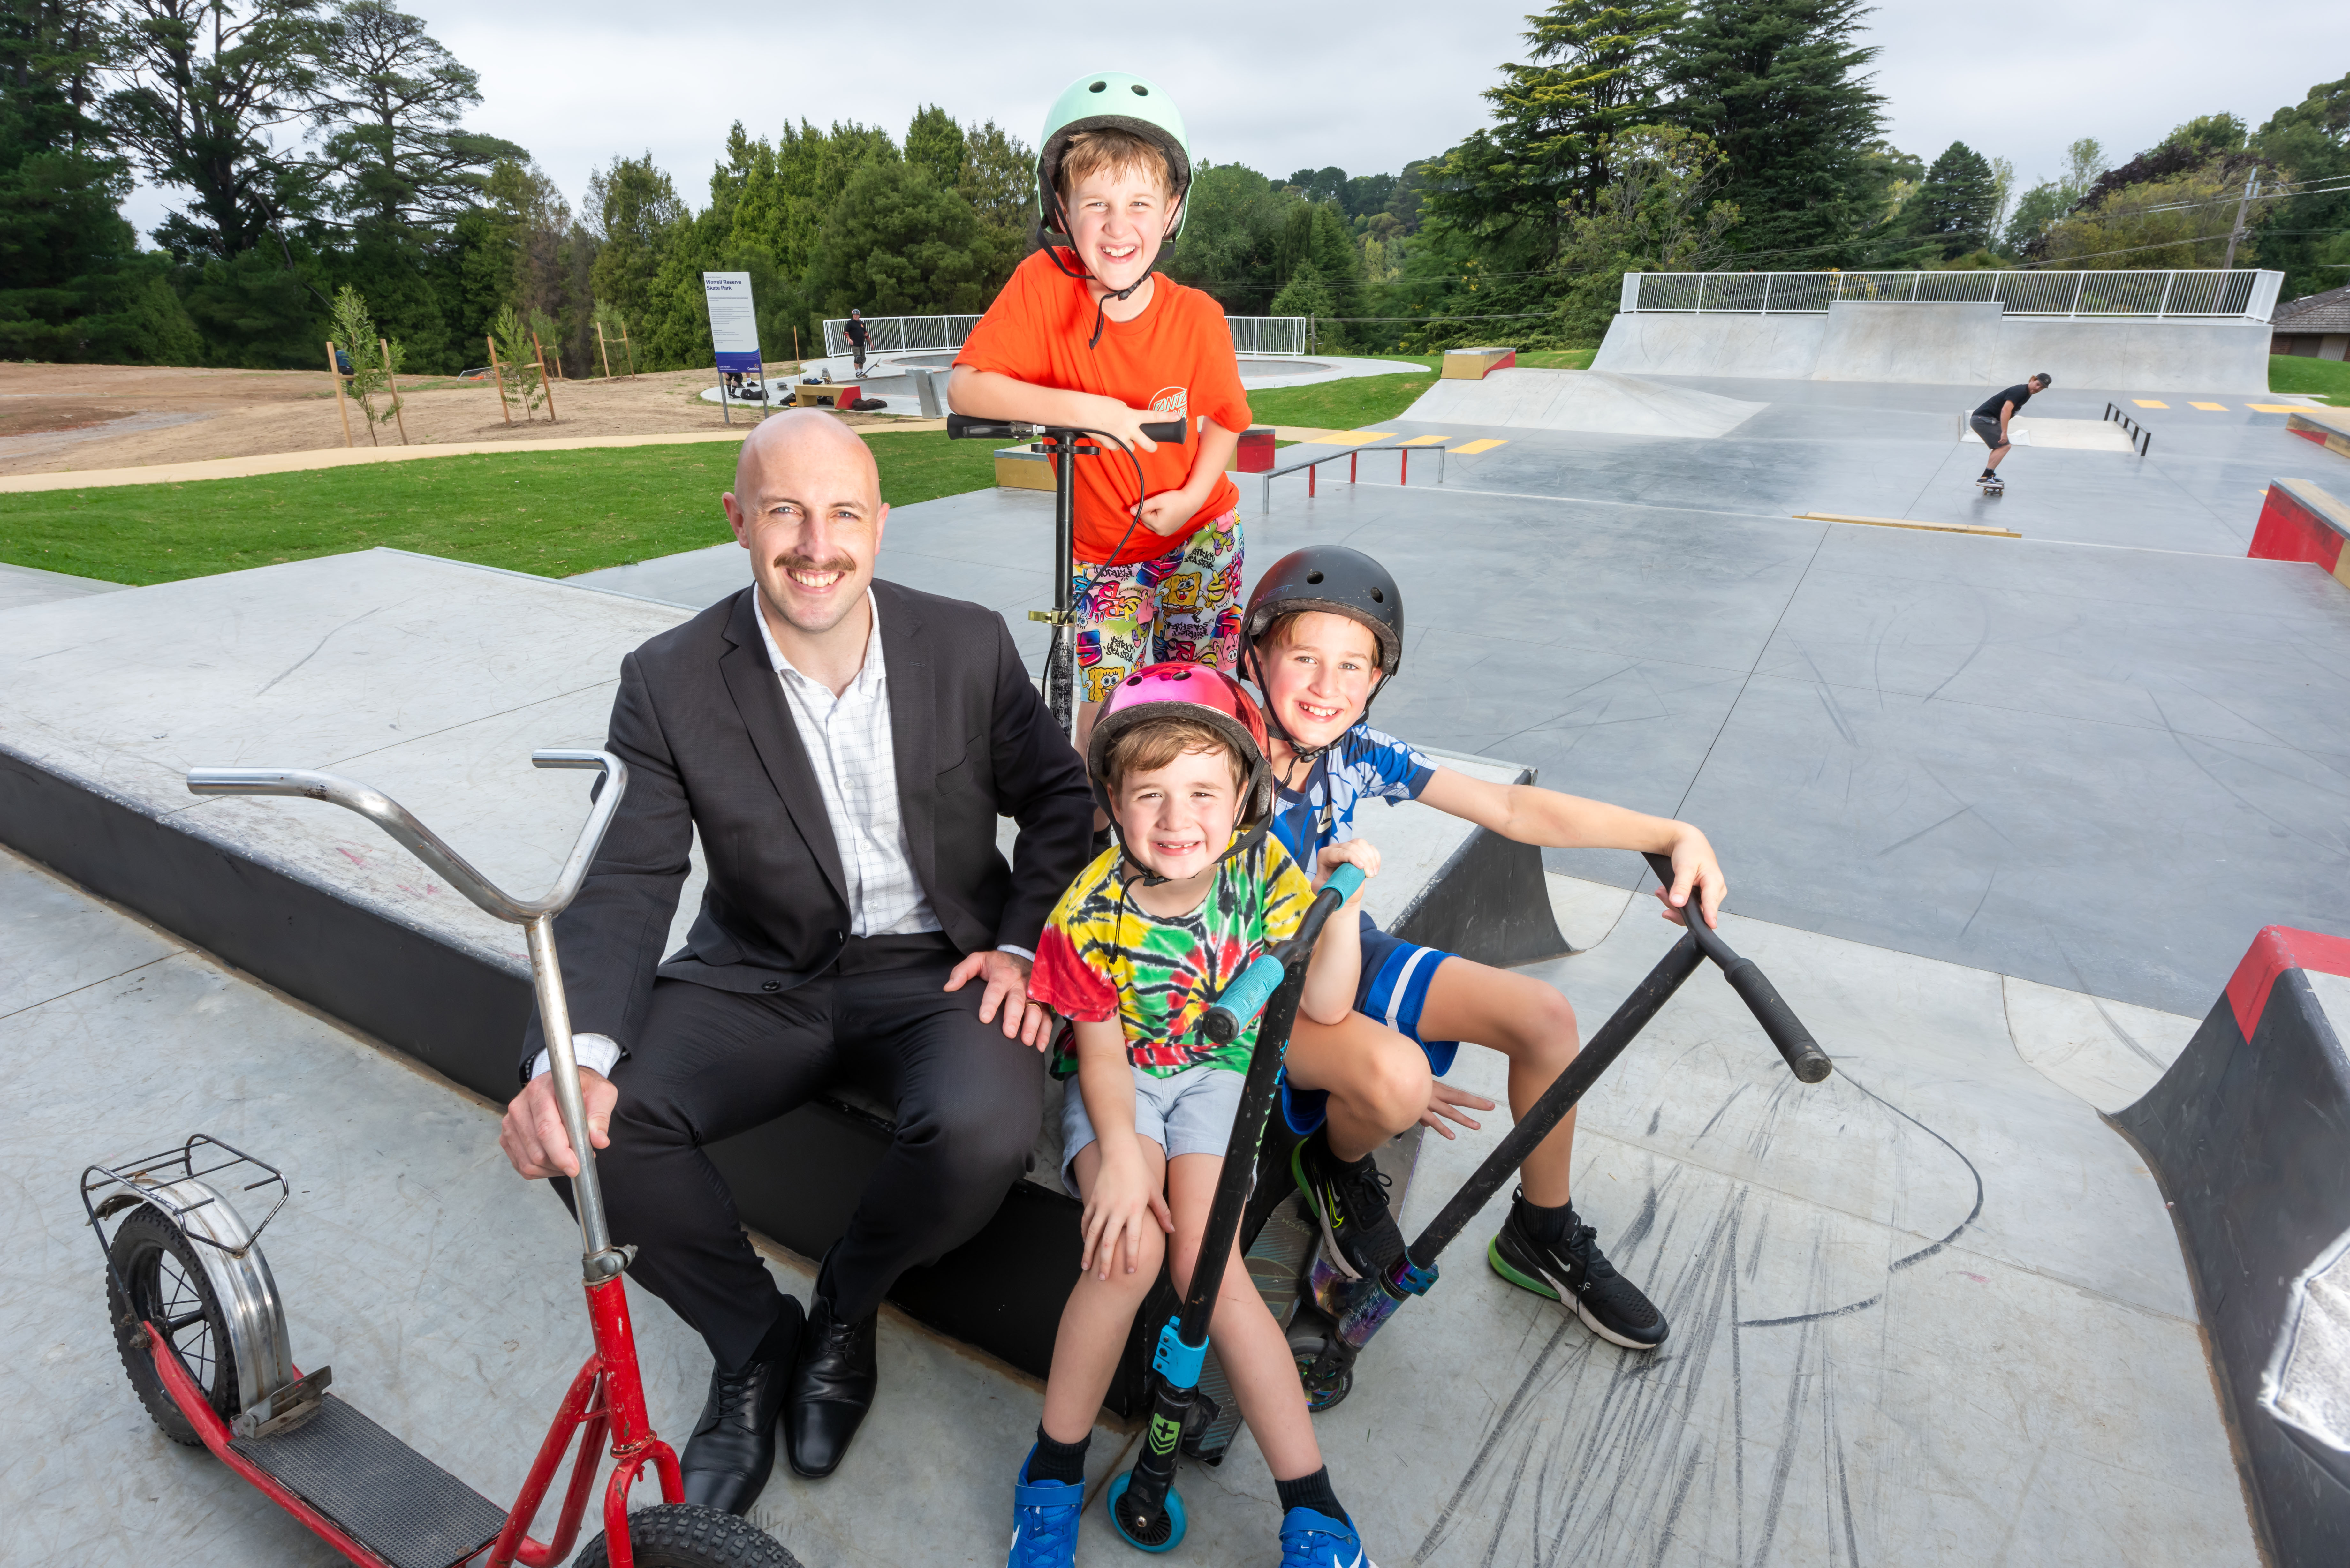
x: 389, y: 1497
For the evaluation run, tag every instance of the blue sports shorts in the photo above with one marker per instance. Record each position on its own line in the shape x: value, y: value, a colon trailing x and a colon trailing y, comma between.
x: 1392, y: 990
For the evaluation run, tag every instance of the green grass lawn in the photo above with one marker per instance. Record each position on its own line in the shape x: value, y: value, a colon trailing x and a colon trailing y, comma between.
x: 1345, y: 405
x: 554, y: 514
x: 2328, y: 378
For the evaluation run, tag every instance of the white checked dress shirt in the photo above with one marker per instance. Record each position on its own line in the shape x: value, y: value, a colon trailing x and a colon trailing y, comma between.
x: 849, y: 740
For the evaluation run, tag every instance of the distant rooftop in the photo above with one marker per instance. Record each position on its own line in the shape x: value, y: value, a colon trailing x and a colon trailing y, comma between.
x: 2327, y: 312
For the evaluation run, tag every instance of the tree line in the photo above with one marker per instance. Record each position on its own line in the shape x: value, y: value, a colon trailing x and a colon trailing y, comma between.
x: 318, y: 146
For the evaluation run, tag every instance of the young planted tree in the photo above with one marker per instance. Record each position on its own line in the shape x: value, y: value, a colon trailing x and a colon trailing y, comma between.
x: 370, y: 377
x: 518, y: 363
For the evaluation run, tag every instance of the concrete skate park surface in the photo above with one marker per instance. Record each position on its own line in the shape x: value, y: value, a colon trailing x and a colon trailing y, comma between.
x: 1591, y: 401
x: 1868, y: 340
x: 1999, y: 815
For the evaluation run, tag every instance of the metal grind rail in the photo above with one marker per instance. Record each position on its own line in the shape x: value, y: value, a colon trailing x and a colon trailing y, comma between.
x: 2140, y: 437
x: 2239, y: 293
x: 1292, y: 460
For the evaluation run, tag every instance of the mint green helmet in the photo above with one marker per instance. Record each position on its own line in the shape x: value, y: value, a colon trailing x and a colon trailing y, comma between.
x: 1103, y: 101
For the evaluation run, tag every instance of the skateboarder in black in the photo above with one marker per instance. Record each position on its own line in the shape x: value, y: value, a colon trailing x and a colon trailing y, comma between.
x: 857, y: 335
x: 1989, y: 423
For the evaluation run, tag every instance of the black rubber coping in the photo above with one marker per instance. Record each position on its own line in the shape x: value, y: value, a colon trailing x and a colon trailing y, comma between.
x: 396, y: 1503
x: 2246, y: 1137
x: 797, y: 1178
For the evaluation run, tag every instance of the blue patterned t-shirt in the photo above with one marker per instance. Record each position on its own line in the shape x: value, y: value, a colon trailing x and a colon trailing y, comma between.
x: 1364, y: 765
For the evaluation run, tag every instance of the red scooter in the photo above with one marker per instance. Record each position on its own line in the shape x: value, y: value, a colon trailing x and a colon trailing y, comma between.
x: 203, y: 1331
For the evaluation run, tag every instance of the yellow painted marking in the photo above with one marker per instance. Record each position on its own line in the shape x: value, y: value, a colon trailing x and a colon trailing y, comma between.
x: 1426, y: 441
x: 2149, y: 403
x: 2274, y: 408
x: 1905, y: 523
x: 2215, y: 408
x: 1352, y: 438
x: 1473, y: 448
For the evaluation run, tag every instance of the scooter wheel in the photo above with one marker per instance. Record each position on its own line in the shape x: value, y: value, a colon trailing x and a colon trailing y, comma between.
x: 1309, y: 1338
x: 1171, y: 1525
x: 687, y: 1535
x: 169, y: 1288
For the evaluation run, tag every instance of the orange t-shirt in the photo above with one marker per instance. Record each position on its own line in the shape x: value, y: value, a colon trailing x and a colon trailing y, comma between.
x: 1175, y: 358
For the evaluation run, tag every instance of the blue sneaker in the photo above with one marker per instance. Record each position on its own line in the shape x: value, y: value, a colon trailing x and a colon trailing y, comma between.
x: 1310, y: 1539
x: 1044, y: 1521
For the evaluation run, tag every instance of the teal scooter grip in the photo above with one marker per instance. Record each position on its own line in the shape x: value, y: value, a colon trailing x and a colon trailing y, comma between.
x: 1245, y: 997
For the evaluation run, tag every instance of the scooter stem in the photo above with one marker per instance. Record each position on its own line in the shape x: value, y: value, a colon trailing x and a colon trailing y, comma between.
x: 599, y: 1258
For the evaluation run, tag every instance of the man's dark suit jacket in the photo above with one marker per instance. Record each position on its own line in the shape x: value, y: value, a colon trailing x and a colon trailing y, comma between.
x: 700, y: 719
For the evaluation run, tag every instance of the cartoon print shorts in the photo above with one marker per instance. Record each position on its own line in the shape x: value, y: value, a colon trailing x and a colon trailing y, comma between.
x: 1184, y: 605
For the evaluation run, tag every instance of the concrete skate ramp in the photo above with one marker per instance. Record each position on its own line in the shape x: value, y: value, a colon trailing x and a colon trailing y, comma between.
x: 1581, y: 400
x: 2246, y: 1133
x: 1943, y: 344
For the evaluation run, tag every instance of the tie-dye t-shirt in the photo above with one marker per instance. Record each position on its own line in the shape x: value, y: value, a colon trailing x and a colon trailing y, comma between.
x: 1103, y: 956
x: 1363, y: 764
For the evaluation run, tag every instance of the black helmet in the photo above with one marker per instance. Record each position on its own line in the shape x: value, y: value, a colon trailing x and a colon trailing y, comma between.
x: 1335, y: 579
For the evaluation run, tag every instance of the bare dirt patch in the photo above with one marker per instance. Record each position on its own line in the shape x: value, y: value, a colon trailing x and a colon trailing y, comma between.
x: 191, y: 415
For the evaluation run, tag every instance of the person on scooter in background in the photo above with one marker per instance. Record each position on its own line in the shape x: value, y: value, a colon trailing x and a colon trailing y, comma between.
x: 1322, y: 634
x: 1136, y: 950
x: 1085, y: 335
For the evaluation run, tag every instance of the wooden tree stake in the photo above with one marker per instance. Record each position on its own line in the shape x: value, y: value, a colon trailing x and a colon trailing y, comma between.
x: 340, y: 407
x: 499, y: 375
x: 393, y: 382
x: 543, y: 385
x: 605, y: 350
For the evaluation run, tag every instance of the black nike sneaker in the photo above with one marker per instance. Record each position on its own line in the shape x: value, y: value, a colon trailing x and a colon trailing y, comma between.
x: 1358, y: 1234
x: 1574, y: 1272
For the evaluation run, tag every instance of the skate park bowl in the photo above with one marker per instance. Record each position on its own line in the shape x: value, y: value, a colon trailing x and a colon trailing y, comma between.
x: 2167, y: 331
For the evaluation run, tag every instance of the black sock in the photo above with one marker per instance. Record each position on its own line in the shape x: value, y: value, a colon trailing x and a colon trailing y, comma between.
x: 1312, y: 1491
x: 1547, y: 1224
x: 1054, y: 1461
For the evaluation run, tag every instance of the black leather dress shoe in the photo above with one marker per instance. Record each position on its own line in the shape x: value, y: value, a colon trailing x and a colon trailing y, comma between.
x: 732, y: 1453
x: 831, y: 1388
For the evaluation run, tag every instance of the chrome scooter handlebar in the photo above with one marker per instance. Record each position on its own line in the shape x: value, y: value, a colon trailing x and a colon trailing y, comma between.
x: 428, y: 845
x: 536, y: 916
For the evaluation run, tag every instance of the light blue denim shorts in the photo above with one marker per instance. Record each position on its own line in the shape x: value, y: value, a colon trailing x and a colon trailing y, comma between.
x: 1189, y: 1112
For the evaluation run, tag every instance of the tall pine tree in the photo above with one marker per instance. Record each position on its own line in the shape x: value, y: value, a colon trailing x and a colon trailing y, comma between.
x: 1593, y: 73
x: 1957, y: 203
x: 1778, y: 85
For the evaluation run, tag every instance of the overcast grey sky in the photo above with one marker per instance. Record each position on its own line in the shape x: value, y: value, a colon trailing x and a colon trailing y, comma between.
x: 1369, y: 87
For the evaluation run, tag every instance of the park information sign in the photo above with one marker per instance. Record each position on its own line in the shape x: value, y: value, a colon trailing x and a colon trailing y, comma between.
x: 733, y: 324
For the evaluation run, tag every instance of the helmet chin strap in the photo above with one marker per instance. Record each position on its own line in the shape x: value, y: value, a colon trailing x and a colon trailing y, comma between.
x: 1101, y: 305
x: 1260, y: 781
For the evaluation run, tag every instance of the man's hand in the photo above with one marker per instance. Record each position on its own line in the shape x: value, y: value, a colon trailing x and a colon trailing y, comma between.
x: 533, y: 1135
x: 1694, y: 867
x: 1444, y: 1103
x: 1007, y: 974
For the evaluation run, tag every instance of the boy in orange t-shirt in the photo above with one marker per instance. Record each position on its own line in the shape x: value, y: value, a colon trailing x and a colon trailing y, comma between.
x: 1085, y: 335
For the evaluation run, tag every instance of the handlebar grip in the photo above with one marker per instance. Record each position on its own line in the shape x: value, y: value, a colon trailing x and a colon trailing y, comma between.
x: 1174, y: 431
x: 1344, y: 880
x: 964, y: 427
x: 1242, y: 1000
x: 1805, y: 1057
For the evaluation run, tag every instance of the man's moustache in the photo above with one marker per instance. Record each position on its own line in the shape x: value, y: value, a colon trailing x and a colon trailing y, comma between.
x: 846, y: 567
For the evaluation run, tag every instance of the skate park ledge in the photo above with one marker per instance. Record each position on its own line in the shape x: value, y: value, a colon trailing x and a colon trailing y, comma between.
x: 433, y: 680
x: 2300, y: 522
x: 2329, y: 427
x: 2238, y: 1133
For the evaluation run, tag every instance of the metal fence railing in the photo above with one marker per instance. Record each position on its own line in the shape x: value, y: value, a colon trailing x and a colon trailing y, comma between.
x: 1280, y: 335
x: 2241, y: 294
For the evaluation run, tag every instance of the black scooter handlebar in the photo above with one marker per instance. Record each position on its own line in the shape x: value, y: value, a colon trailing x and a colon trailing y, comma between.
x: 1805, y: 1057
x: 964, y: 427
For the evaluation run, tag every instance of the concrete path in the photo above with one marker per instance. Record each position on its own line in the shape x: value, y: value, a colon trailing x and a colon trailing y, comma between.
x: 1929, y: 1310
